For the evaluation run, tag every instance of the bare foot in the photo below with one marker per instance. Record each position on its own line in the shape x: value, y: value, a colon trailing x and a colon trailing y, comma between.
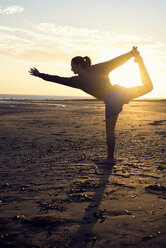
x: 106, y: 162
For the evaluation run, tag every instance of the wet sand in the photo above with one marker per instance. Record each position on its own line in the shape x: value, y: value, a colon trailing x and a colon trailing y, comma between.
x: 52, y: 193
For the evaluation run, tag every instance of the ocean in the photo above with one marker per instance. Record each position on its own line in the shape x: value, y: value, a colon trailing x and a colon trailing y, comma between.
x: 8, y: 97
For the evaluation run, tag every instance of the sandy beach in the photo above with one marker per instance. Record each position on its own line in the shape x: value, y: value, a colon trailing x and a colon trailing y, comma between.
x: 54, y: 195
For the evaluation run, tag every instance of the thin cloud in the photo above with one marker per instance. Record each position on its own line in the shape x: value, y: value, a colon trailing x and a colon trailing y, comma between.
x: 44, y: 41
x: 94, y: 37
x: 11, y: 10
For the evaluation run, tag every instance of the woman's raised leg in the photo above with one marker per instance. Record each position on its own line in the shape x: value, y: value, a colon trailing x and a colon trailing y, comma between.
x: 146, y: 81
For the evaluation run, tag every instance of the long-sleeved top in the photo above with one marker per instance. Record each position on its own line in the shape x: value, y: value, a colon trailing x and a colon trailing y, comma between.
x: 94, y: 80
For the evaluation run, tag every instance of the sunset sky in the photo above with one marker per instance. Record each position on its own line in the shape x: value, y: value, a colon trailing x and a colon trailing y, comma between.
x: 46, y: 34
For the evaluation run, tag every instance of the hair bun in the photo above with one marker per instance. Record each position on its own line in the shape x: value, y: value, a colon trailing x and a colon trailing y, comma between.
x: 87, y: 60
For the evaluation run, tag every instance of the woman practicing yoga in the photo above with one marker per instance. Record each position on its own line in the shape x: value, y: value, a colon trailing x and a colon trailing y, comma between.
x: 94, y: 80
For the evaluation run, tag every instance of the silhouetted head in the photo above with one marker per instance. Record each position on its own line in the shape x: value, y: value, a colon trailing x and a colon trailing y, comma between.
x: 79, y: 64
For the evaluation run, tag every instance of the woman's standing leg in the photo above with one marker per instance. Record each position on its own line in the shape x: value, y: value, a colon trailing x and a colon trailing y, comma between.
x: 110, y: 138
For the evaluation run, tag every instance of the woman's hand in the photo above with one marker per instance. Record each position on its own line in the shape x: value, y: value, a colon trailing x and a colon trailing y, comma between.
x: 138, y: 58
x: 34, y: 72
x: 135, y: 51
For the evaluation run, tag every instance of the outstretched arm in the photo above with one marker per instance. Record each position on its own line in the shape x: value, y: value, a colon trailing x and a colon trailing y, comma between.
x: 110, y: 65
x: 68, y: 81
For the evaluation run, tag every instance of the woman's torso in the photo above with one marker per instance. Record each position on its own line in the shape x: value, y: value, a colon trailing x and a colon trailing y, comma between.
x: 96, y: 83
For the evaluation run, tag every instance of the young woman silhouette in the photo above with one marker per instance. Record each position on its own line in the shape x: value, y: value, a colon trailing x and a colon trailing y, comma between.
x: 94, y: 80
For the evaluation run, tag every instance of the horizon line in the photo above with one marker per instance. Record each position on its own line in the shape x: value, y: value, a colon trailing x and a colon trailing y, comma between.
x: 88, y: 97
